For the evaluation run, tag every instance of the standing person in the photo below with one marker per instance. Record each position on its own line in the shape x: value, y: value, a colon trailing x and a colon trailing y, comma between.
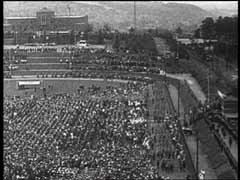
x: 230, y: 141
x: 202, y: 175
x: 188, y: 177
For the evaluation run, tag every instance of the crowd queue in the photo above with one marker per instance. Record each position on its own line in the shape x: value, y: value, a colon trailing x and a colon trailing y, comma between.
x: 99, y: 132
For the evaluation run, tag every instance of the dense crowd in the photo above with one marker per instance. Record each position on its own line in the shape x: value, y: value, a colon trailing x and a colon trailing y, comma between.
x: 219, y: 123
x: 31, y: 49
x: 103, y: 60
x: 170, y: 154
x: 95, y: 75
x: 100, y: 132
x: 81, y: 61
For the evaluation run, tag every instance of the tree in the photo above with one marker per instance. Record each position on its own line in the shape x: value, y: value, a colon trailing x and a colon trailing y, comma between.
x: 197, y: 33
x: 71, y: 39
x: 58, y: 41
x: 106, y: 28
x: 131, y: 30
x: 90, y: 28
x: 208, y: 28
x: 219, y: 27
x: 100, y: 37
x: 179, y: 30
x: 116, y: 42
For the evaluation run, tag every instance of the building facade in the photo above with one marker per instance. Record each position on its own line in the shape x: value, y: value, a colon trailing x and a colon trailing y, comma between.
x: 45, y: 27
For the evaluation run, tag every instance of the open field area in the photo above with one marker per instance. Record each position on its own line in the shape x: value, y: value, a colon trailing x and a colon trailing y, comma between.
x: 119, y: 91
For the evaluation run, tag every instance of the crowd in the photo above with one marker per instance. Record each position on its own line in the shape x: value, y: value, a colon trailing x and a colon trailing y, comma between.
x: 92, y: 74
x: 168, y: 151
x: 102, y: 60
x: 31, y: 49
x: 214, y: 111
x: 99, y: 132
x: 86, y: 62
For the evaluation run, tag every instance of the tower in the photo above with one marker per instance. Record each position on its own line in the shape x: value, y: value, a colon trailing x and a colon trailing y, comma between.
x: 69, y: 10
x: 135, y: 15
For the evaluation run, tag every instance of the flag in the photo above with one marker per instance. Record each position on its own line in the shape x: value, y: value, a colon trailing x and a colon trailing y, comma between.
x: 221, y: 94
x: 146, y: 142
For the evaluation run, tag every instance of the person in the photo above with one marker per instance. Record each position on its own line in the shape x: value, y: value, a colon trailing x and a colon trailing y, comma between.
x: 188, y: 177
x: 230, y: 141
x: 202, y: 175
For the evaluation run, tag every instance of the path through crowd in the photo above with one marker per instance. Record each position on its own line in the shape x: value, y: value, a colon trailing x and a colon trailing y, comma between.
x: 192, y: 83
x: 174, y: 96
x: 204, y: 164
x: 159, y: 104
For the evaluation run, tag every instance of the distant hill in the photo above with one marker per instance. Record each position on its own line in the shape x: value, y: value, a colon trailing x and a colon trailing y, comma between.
x: 117, y: 14
x: 224, y: 12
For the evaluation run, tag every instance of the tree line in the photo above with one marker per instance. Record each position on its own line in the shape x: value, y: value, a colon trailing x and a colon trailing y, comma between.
x: 134, y: 42
x: 225, y: 29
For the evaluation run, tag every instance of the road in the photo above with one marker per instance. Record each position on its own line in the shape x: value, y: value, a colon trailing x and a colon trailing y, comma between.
x: 204, y: 164
x: 192, y: 83
x: 158, y: 104
x: 49, y: 78
x: 196, y: 89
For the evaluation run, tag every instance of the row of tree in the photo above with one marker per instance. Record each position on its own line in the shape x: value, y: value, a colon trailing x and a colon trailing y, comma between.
x: 135, y: 42
x: 225, y: 29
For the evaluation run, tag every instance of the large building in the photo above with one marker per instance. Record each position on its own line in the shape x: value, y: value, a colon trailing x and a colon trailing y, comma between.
x: 45, y: 27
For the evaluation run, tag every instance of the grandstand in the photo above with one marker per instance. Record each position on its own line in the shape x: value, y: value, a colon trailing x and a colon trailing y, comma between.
x: 89, y: 113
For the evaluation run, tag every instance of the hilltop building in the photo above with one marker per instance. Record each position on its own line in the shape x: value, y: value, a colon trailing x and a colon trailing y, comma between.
x: 45, y: 27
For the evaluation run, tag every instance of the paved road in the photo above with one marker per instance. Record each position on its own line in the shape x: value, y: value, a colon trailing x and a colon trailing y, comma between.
x: 192, y: 83
x: 14, y: 78
x: 174, y: 96
x: 191, y: 140
x: 58, y: 47
x: 158, y: 104
x: 204, y: 164
x: 234, y: 147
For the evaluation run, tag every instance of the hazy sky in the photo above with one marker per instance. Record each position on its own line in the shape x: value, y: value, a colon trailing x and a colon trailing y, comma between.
x: 212, y: 4
x: 202, y: 4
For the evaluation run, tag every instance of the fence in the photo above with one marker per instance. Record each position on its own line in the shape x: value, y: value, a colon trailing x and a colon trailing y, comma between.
x: 183, y: 140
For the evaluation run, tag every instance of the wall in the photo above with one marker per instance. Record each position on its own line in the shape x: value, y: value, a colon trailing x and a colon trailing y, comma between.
x: 52, y: 86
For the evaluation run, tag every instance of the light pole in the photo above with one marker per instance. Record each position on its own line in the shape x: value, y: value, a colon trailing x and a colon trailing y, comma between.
x: 208, y: 80
x: 197, y: 144
x: 16, y: 36
x: 47, y: 38
x: 178, y: 98
x: 75, y: 39
x: 34, y: 38
x: 135, y: 24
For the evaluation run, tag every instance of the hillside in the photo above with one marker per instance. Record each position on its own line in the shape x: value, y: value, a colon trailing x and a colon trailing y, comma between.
x: 117, y: 14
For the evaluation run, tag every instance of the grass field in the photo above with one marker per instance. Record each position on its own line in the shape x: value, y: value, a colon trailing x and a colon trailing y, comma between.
x: 52, y: 85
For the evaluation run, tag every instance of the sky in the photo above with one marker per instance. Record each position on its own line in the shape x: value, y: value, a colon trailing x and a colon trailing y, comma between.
x: 202, y: 4
x: 211, y: 4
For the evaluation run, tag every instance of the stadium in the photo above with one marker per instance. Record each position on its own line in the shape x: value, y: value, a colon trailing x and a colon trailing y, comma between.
x: 77, y: 113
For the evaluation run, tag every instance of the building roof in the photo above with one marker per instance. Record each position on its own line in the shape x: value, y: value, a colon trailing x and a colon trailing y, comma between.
x: 70, y: 16
x: 60, y: 32
x: 8, y: 18
x: 28, y: 83
x: 7, y: 24
x: 45, y: 10
x: 231, y: 115
x: 231, y: 98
